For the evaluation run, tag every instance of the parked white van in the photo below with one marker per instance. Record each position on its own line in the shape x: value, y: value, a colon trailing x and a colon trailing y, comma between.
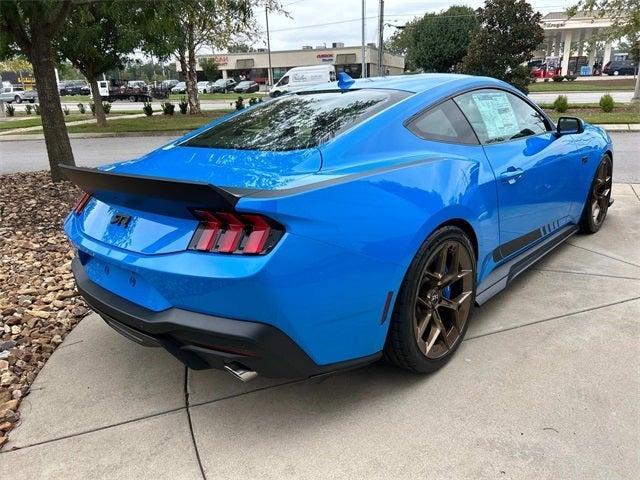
x: 299, y: 78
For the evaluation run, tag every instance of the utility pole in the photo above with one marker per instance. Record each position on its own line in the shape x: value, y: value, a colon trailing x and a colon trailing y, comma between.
x: 363, y: 50
x: 381, y: 39
x: 269, y: 73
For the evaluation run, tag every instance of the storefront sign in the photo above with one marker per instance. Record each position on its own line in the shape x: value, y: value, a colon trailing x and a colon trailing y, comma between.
x: 325, y: 57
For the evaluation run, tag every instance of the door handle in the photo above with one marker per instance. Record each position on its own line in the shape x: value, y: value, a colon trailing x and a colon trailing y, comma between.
x: 511, y: 175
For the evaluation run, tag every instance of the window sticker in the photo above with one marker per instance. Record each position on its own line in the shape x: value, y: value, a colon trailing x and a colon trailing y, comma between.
x: 497, y: 114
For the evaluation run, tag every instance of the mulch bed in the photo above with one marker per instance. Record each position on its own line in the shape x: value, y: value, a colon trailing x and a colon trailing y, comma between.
x: 38, y: 303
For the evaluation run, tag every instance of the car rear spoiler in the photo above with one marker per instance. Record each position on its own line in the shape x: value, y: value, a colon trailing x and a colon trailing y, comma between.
x: 150, y: 193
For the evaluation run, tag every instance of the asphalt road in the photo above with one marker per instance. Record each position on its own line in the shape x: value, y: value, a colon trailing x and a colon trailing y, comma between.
x: 30, y: 155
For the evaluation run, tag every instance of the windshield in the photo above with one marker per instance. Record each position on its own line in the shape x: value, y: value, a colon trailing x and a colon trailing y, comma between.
x: 244, y: 84
x: 295, y: 122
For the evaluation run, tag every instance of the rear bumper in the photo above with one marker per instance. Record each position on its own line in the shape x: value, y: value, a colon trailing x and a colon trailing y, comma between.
x: 204, y: 341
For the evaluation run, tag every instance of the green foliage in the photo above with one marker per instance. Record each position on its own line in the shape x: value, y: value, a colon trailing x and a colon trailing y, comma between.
x: 254, y: 100
x: 11, y: 110
x: 66, y: 110
x: 147, y: 109
x: 561, y: 104
x: 106, y: 107
x: 183, y: 105
x: 28, y: 109
x: 93, y: 108
x: 81, y: 108
x: 37, y: 109
x: 239, y: 103
x: 545, y: 80
x: 168, y: 108
x: 209, y: 69
x: 438, y: 41
x: 606, y: 103
x: 570, y: 78
x: 558, y: 78
x: 509, y: 33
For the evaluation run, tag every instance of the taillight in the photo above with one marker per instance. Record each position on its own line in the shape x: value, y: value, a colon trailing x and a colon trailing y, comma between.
x: 81, y: 203
x: 225, y: 232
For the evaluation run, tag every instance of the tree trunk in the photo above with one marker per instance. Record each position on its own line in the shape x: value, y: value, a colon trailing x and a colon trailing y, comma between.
x: 56, y: 137
x: 636, y: 91
x: 192, y: 75
x: 101, y: 118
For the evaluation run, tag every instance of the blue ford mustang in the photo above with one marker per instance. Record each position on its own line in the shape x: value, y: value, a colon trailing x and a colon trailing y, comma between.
x: 324, y: 229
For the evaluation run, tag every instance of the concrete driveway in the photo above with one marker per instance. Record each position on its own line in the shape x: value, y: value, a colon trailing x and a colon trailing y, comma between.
x: 546, y: 385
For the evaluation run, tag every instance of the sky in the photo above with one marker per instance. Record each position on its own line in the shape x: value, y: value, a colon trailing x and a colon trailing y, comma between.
x: 316, y: 22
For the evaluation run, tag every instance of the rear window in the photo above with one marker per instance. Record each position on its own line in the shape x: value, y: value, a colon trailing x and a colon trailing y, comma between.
x: 294, y: 122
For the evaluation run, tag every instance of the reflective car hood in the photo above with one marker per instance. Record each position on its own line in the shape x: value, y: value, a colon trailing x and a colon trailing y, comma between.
x: 223, y: 167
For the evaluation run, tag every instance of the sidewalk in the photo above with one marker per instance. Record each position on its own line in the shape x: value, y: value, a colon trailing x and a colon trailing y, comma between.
x: 545, y: 385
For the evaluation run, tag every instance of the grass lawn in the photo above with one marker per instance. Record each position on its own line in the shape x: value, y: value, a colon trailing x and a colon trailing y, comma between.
x: 23, y: 121
x: 74, y: 99
x: 594, y: 114
x: 583, y: 86
x: 156, y: 123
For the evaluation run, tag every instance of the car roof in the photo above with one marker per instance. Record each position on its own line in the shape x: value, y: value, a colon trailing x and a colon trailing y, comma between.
x: 417, y: 83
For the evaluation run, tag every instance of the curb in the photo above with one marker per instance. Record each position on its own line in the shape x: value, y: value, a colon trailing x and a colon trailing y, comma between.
x: 40, y: 136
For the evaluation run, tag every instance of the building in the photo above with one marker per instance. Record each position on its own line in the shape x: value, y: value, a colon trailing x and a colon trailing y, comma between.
x: 573, y: 43
x: 255, y: 65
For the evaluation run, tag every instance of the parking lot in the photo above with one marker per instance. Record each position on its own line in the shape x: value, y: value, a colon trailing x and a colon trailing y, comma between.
x: 544, y: 386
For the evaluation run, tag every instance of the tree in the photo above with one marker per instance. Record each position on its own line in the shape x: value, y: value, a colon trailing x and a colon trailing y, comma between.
x: 400, y: 42
x: 509, y: 33
x: 192, y: 24
x: 32, y: 28
x: 438, y: 41
x: 209, y: 68
x: 98, y: 37
x: 625, y: 16
x: 240, y: 48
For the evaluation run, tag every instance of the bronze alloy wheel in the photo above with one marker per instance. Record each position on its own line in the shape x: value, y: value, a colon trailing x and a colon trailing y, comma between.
x: 600, y: 193
x: 443, y: 299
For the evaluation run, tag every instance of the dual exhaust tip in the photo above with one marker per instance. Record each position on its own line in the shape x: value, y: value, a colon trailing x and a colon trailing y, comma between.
x: 240, y: 372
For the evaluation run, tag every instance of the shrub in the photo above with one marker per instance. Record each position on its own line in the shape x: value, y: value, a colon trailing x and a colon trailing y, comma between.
x: 558, y: 78
x: 81, y: 108
x: 11, y: 110
x: 253, y: 101
x: 66, y: 110
x: 183, y: 105
x: 607, y: 103
x: 546, y: 79
x: 239, y: 103
x: 168, y: 108
x: 106, y: 106
x: 147, y: 109
x: 28, y: 108
x: 36, y: 108
x: 561, y: 104
x: 570, y: 78
x: 93, y: 108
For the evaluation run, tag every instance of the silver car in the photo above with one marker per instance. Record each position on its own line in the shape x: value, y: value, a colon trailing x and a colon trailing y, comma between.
x: 18, y: 94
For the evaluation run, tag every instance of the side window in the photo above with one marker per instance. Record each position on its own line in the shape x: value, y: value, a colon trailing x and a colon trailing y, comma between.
x: 284, y: 81
x: 497, y: 116
x: 445, y: 123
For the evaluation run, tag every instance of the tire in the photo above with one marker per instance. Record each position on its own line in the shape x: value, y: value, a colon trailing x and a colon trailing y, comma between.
x: 18, y: 99
x: 412, y: 328
x: 32, y: 100
x: 133, y: 98
x: 595, y: 209
x: 616, y: 72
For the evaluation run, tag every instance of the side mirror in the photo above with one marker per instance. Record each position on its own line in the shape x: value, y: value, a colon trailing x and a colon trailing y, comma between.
x: 569, y: 125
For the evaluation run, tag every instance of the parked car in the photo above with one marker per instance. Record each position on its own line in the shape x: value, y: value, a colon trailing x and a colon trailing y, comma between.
x: 246, y: 86
x: 620, y: 67
x: 15, y: 93
x: 168, y: 84
x: 323, y: 229
x: 74, y: 87
x: 204, y: 86
x: 223, y: 85
x: 180, y: 87
x: 299, y: 78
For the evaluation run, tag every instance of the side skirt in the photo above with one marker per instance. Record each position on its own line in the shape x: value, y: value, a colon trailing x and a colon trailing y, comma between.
x: 504, y: 274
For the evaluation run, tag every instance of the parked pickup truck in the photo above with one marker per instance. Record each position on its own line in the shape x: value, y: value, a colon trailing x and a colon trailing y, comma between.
x: 18, y: 94
x: 134, y: 91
